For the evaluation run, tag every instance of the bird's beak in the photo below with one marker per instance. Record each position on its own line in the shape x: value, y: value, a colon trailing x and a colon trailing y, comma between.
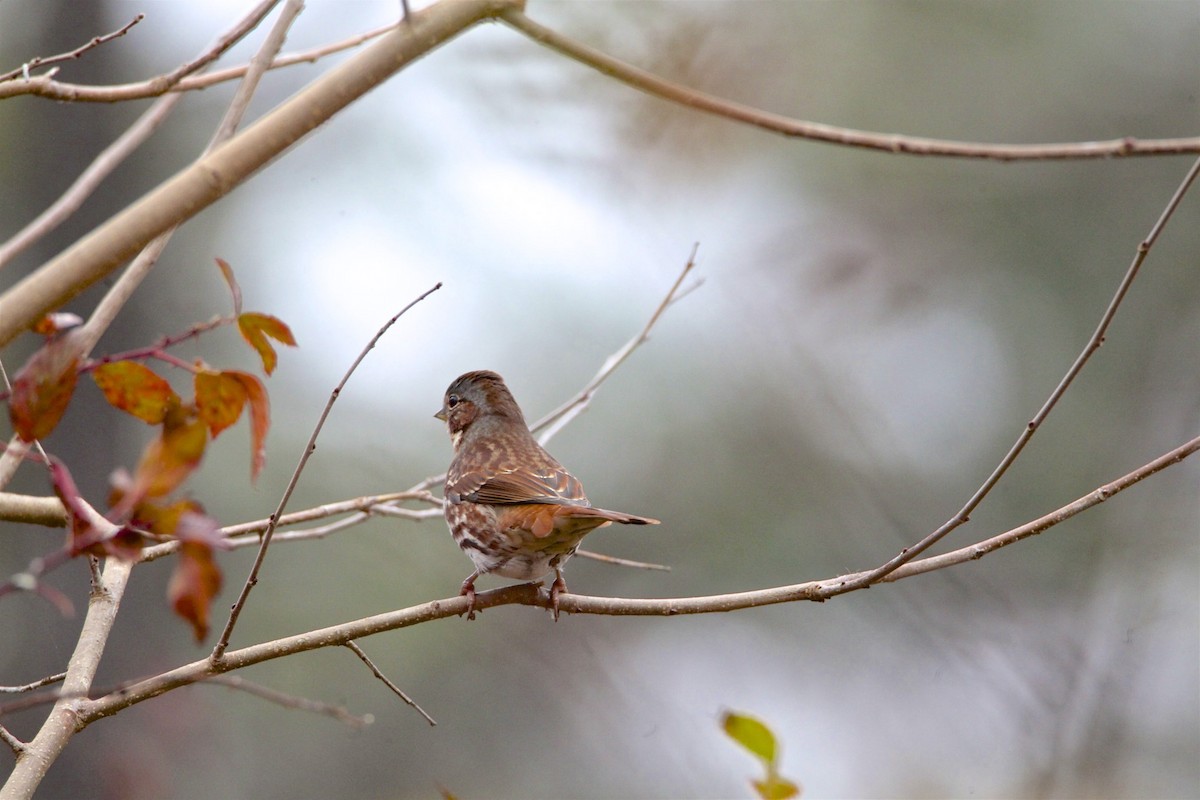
x: 441, y: 415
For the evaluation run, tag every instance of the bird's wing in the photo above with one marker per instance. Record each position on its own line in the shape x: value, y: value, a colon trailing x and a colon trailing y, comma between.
x: 547, y: 484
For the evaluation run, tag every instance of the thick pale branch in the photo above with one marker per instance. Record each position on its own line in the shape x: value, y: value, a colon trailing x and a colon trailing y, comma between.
x: 63, y: 720
x: 25, y: 508
x: 207, y: 180
x: 891, y: 143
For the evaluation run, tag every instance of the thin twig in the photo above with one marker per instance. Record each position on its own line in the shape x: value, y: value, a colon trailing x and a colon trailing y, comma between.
x: 29, y: 687
x: 1093, y: 344
x: 96, y: 41
x: 621, y: 562
x: 890, y: 143
x: 358, y: 651
x: 219, y: 650
x: 258, y: 67
x: 553, y: 422
x: 292, y: 701
x: 227, y: 40
x: 43, y: 86
x: 14, y: 744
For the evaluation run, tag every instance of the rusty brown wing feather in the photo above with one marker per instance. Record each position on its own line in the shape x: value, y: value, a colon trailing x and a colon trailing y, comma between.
x: 507, y: 477
x: 521, y: 486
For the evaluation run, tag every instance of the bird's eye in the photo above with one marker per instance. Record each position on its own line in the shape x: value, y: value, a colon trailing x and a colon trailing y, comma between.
x: 452, y: 401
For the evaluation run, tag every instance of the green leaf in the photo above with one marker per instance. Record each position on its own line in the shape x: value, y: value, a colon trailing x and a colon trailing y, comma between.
x: 776, y: 788
x: 750, y: 734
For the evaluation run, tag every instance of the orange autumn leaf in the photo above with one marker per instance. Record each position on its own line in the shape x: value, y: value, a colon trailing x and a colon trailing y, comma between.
x: 196, y: 579
x: 164, y: 519
x: 194, y: 583
x: 220, y: 397
x: 42, y: 389
x: 56, y: 322
x: 260, y: 419
x: 234, y: 289
x: 136, y: 389
x: 170, y: 458
x: 255, y: 329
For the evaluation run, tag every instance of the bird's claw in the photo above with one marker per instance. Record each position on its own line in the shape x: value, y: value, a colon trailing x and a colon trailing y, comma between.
x: 558, y: 587
x: 468, y: 591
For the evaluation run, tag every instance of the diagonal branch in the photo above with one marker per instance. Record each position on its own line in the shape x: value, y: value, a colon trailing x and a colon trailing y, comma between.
x: 396, y: 690
x: 219, y: 651
x: 560, y: 417
x: 207, y: 180
x: 1093, y: 344
x: 890, y: 143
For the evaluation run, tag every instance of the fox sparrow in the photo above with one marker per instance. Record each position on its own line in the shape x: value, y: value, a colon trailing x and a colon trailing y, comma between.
x: 510, y: 505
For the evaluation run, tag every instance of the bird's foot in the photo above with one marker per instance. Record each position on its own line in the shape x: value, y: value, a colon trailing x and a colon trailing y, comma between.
x: 468, y: 591
x: 558, y: 587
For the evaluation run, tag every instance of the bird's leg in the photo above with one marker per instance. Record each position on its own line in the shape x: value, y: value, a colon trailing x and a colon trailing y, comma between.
x: 558, y: 587
x: 468, y: 589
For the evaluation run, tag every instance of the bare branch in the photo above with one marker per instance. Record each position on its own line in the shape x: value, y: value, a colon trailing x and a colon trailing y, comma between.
x: 292, y: 701
x: 358, y: 651
x: 29, y: 687
x: 24, y: 508
x: 62, y: 722
x: 252, y: 578
x: 557, y: 419
x: 43, y: 86
x: 621, y: 562
x: 1093, y: 344
x: 14, y: 744
x: 100, y: 168
x: 96, y: 41
x: 205, y: 181
x: 890, y: 143
x: 534, y: 595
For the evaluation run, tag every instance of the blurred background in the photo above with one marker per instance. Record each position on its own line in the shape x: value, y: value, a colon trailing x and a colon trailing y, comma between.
x: 872, y: 334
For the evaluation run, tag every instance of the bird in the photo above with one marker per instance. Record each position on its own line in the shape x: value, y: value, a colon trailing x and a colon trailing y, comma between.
x: 510, y: 505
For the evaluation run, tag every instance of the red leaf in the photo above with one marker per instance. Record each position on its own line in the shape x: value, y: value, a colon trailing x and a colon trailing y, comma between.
x: 84, y: 537
x: 42, y: 388
x: 170, y: 458
x: 219, y: 399
x: 80, y: 529
x: 260, y: 419
x: 136, y: 389
x: 256, y: 328
x: 234, y: 289
x: 194, y: 583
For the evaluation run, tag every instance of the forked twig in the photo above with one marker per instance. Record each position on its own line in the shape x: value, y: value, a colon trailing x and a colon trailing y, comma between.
x: 93, y: 43
x: 309, y: 448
